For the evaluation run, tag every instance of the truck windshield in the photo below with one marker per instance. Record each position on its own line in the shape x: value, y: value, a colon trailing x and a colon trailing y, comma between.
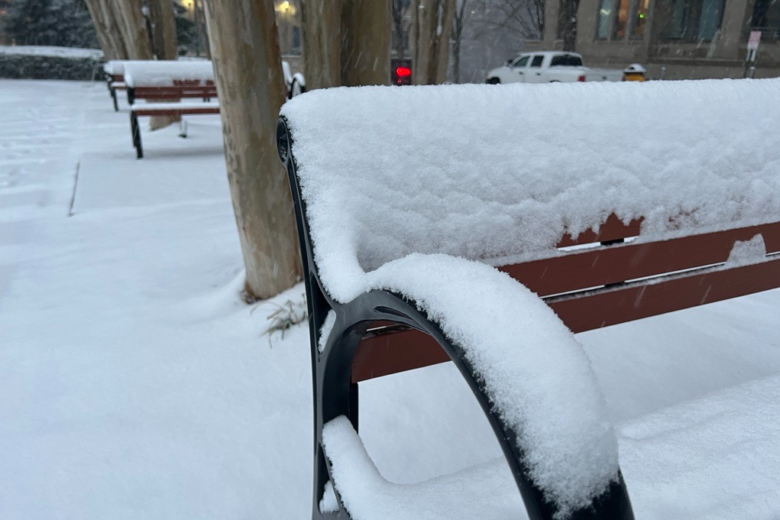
x: 566, y: 60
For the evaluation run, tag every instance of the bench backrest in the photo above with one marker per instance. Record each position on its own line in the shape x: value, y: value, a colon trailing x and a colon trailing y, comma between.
x: 170, y: 79
x: 512, y: 175
x: 503, y: 173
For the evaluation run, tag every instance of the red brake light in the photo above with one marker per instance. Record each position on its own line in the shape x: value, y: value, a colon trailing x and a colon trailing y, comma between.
x: 581, y: 79
x: 403, y: 72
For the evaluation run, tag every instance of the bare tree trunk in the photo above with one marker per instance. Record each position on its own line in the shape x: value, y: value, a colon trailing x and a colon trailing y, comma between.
x: 346, y: 43
x: 107, y: 28
x: 322, y: 43
x: 457, y: 38
x: 567, y: 20
x: 398, y: 28
x: 366, y: 33
x: 443, y: 34
x: 132, y: 25
x: 432, y: 31
x: 163, y: 21
x: 165, y: 46
x: 248, y: 68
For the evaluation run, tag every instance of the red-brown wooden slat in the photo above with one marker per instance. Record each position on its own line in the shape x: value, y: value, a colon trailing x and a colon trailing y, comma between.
x: 177, y: 111
x: 175, y: 92
x: 608, y: 265
x: 391, y: 353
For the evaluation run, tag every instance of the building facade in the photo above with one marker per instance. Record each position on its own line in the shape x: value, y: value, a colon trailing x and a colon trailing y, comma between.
x: 672, y: 39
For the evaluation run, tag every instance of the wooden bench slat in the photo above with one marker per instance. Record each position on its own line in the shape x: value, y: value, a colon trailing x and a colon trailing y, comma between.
x: 398, y: 350
x: 608, y: 265
x: 175, y: 111
x: 174, y: 93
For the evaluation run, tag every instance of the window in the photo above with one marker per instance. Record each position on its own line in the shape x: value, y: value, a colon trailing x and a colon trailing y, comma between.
x: 766, y: 17
x: 537, y: 61
x: 614, y: 19
x: 690, y: 20
x: 638, y: 30
x: 296, y: 39
x: 566, y: 60
x: 709, y: 19
x: 619, y: 27
x: 522, y: 62
x: 602, y: 21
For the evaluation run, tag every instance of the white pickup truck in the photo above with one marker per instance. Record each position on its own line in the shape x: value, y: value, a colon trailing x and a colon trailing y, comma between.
x: 549, y: 67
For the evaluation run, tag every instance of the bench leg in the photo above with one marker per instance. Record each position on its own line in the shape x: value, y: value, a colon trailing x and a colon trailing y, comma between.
x: 113, y: 97
x: 336, y: 395
x: 136, y: 131
x: 183, y: 128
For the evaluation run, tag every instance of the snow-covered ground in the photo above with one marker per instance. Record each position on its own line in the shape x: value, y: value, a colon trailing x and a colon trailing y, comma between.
x: 134, y: 383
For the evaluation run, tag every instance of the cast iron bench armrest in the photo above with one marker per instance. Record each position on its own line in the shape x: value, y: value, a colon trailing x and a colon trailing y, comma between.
x: 336, y: 394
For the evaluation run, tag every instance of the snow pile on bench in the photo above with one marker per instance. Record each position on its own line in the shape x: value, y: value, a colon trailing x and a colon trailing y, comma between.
x: 164, y: 73
x: 482, y: 171
x: 533, y: 369
x: 117, y: 67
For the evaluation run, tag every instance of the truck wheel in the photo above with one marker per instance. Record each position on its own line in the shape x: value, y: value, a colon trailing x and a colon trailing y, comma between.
x: 493, y: 81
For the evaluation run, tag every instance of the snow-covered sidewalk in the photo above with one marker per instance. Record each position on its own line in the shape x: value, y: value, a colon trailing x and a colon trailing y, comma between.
x: 134, y: 383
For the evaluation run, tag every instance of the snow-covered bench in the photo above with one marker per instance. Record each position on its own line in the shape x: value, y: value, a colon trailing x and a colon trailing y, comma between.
x: 420, y: 210
x: 168, y: 81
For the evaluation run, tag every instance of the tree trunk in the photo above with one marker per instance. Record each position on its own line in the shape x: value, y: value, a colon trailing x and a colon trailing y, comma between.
x: 366, y: 34
x: 132, y: 26
x: 459, y: 22
x: 322, y: 43
x: 346, y: 43
x: 107, y: 28
x: 163, y: 21
x: 165, y: 46
x: 432, y: 31
x: 398, y: 29
x: 248, y: 69
x: 567, y: 20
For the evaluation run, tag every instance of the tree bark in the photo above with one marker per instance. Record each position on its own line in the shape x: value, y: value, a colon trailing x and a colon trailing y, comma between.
x: 367, y: 30
x: 567, y: 20
x: 107, y: 28
x: 132, y: 26
x: 459, y: 22
x: 432, y: 30
x: 163, y: 21
x: 398, y: 28
x: 165, y: 46
x: 248, y: 69
x: 322, y: 43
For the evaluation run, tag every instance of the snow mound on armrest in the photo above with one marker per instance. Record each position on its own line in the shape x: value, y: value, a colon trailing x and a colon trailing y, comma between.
x: 533, y: 369
x: 118, y: 66
x: 164, y: 73
x: 484, y: 171
x: 486, y: 492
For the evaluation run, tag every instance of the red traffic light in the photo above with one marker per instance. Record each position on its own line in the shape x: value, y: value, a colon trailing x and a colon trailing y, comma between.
x: 400, y: 71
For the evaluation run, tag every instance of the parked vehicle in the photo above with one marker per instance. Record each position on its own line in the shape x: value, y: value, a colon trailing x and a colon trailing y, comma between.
x: 549, y: 67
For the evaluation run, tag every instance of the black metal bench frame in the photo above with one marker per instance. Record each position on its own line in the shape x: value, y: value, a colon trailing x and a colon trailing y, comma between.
x: 111, y: 79
x: 336, y: 394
